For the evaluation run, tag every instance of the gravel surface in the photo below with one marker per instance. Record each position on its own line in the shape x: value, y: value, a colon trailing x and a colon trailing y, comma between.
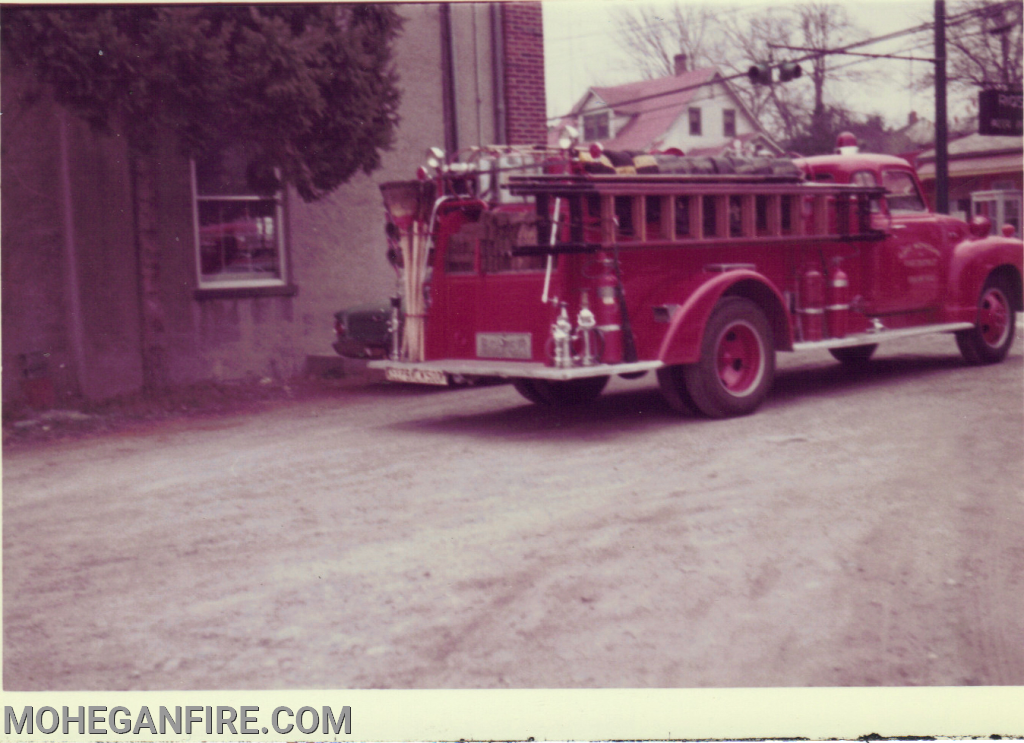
x: 861, y: 529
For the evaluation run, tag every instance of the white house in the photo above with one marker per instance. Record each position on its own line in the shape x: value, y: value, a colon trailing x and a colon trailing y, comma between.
x: 695, y: 111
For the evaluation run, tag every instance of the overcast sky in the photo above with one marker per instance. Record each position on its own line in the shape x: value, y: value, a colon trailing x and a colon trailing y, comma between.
x: 580, y: 51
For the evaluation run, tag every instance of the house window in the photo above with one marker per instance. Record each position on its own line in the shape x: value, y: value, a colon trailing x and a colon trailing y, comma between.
x: 729, y: 122
x: 239, y: 240
x: 595, y: 126
x: 695, y: 122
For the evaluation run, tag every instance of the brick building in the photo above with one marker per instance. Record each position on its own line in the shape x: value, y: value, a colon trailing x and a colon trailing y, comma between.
x: 72, y: 289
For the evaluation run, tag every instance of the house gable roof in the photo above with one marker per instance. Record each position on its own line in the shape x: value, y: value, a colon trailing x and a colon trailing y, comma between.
x: 654, y: 106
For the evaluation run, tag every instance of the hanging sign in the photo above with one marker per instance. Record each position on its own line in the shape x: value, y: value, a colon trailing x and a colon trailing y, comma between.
x: 999, y: 112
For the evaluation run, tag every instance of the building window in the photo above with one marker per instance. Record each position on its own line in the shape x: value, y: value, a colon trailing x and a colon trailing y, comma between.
x: 1001, y: 207
x: 695, y: 122
x: 729, y: 122
x: 595, y: 126
x: 239, y: 236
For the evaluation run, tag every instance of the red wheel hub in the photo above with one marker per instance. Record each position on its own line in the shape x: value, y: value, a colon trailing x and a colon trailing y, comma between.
x: 739, y: 359
x: 994, y: 317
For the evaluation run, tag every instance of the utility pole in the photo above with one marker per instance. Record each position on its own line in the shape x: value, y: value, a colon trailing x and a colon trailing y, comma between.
x: 941, y: 131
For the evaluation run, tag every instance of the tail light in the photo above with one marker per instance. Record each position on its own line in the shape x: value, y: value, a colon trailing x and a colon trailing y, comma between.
x: 339, y: 327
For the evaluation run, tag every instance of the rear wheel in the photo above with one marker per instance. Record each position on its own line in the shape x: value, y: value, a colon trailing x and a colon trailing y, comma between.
x: 990, y: 339
x: 560, y: 394
x: 853, y: 355
x: 737, y: 361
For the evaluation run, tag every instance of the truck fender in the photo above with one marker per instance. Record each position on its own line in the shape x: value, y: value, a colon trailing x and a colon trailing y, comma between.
x: 681, y: 344
x: 973, y: 261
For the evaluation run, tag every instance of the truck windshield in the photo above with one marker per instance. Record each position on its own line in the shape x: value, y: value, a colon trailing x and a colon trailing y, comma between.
x: 903, y: 195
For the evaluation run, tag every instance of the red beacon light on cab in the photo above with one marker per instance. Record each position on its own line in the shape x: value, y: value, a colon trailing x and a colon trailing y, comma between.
x: 846, y: 144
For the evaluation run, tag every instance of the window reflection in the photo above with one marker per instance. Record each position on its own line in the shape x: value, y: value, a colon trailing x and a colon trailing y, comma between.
x: 239, y: 235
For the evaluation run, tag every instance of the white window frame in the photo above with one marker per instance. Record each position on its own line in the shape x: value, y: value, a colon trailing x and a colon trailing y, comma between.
x: 203, y: 282
x: 726, y: 114
x: 997, y: 200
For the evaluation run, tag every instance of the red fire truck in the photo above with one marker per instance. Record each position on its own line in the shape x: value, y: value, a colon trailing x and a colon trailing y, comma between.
x: 557, y: 270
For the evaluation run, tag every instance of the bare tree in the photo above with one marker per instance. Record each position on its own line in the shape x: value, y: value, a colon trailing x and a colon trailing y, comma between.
x: 652, y: 37
x: 823, y: 27
x: 983, y: 46
x: 781, y: 109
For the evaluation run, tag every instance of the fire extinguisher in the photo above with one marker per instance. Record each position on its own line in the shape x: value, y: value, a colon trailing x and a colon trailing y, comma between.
x: 812, y: 304
x: 606, y: 312
x: 837, y: 311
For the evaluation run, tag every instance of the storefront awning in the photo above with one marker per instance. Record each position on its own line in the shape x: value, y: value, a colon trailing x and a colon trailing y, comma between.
x: 976, y: 166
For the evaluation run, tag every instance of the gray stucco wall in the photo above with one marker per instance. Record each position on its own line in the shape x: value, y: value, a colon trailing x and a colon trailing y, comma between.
x: 69, y: 286
x: 336, y: 246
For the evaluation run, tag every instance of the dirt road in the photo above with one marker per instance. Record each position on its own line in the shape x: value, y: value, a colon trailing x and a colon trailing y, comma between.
x: 860, y: 529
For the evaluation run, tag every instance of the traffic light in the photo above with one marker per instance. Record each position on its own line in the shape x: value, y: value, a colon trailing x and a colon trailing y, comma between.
x: 789, y: 71
x: 760, y: 74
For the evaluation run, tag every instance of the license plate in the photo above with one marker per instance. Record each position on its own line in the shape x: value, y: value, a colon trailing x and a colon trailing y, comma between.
x: 416, y: 376
x: 504, y: 346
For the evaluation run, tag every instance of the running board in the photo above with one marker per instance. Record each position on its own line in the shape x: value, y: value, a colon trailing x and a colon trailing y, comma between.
x: 872, y: 337
x: 406, y: 371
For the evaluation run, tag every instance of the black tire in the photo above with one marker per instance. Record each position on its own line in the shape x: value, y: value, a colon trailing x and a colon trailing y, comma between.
x: 673, y: 389
x: 560, y: 394
x: 853, y: 355
x: 990, y: 339
x: 737, y: 361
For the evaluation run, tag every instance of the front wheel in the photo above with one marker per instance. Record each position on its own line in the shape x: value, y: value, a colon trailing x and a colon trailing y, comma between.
x: 737, y: 361
x: 990, y: 339
x: 562, y: 393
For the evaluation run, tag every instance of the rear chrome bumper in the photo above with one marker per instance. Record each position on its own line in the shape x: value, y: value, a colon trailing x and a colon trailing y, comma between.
x: 408, y: 372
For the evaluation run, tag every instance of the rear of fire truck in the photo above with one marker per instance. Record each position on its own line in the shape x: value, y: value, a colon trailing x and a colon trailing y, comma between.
x: 488, y: 287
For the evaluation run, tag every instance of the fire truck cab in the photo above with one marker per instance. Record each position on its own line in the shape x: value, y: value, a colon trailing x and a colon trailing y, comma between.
x: 559, y: 269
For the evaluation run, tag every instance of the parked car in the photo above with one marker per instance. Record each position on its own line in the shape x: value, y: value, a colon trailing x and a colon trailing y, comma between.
x: 361, y: 332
